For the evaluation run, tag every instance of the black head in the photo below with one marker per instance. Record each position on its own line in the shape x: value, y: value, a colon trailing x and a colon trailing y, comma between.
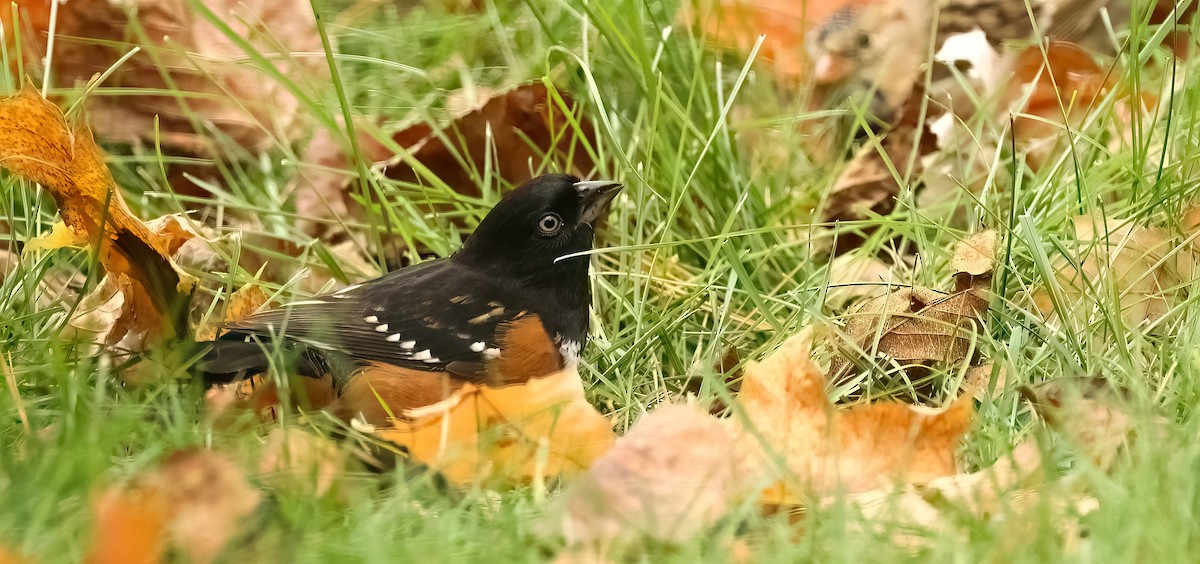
x: 541, y: 221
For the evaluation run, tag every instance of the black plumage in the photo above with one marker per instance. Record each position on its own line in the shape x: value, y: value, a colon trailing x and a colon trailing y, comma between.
x: 445, y: 314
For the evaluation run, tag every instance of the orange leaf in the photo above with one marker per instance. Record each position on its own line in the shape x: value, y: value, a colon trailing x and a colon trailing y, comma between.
x: 825, y: 449
x: 540, y: 429
x: 194, y: 502
x: 737, y: 25
x: 37, y: 142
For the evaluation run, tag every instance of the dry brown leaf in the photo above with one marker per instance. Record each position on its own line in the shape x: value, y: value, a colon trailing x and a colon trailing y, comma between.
x: 867, y: 187
x: 976, y: 255
x: 541, y: 429
x: 183, y: 52
x: 913, y: 328
x: 523, y: 126
x: 194, y: 502
x: 913, y: 514
x: 828, y: 450
x: 323, y: 192
x: 513, y: 132
x: 1146, y: 268
x: 1003, y: 497
x: 130, y: 527
x: 37, y: 142
x: 671, y: 478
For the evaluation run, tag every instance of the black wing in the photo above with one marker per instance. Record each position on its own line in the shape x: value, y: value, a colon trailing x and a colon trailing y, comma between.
x: 434, y: 316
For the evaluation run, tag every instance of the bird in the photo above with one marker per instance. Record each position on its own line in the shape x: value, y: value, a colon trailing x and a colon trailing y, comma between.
x: 880, y: 46
x: 509, y: 306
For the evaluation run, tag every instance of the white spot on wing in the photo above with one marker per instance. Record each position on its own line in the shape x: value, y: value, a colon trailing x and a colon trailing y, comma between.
x: 423, y: 355
x: 393, y: 338
x: 433, y: 360
x: 478, y: 346
x: 408, y: 345
x: 381, y: 328
x: 371, y: 319
x: 491, y: 352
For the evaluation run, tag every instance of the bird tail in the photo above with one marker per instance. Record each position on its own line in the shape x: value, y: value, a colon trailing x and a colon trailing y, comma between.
x: 233, y: 357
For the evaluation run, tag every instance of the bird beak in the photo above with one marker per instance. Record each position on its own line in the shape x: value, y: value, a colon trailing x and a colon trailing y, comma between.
x: 595, y: 195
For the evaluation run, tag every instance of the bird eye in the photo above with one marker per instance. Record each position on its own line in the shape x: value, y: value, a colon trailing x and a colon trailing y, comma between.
x: 864, y: 40
x: 549, y: 224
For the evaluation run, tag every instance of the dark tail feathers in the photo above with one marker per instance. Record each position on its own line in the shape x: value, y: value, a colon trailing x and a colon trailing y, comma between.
x: 232, y: 358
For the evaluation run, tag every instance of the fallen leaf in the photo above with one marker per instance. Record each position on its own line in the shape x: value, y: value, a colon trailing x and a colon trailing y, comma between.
x: 37, y: 142
x: 513, y: 134
x: 976, y: 255
x: 671, y: 478
x: 1053, y: 92
x: 194, y: 502
x: 974, y: 263
x: 867, y: 187
x: 1146, y: 269
x: 783, y: 25
x: 913, y: 514
x: 520, y: 129
x: 516, y: 433
x: 825, y: 449
x: 190, y: 79
x: 913, y: 329
x: 130, y: 527
x: 323, y: 191
x: 10, y: 556
x: 884, y: 45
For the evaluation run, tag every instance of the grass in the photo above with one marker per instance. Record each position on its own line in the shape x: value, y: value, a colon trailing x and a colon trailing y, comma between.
x: 712, y: 246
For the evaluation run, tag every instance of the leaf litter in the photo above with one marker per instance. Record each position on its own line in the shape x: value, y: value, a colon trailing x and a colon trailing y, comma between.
x: 794, y: 448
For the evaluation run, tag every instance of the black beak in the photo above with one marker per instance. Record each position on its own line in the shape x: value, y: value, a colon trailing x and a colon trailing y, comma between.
x: 595, y: 196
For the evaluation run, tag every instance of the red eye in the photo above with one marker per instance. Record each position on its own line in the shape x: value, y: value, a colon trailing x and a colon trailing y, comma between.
x: 549, y: 224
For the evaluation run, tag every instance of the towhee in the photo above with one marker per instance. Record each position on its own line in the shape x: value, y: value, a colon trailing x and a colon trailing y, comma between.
x: 505, y: 308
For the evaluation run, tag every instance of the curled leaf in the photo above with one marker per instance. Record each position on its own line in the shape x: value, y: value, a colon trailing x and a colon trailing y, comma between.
x: 913, y: 329
x: 37, y: 142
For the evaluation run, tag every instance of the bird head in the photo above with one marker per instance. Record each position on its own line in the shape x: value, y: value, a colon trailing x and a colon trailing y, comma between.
x: 538, y: 223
